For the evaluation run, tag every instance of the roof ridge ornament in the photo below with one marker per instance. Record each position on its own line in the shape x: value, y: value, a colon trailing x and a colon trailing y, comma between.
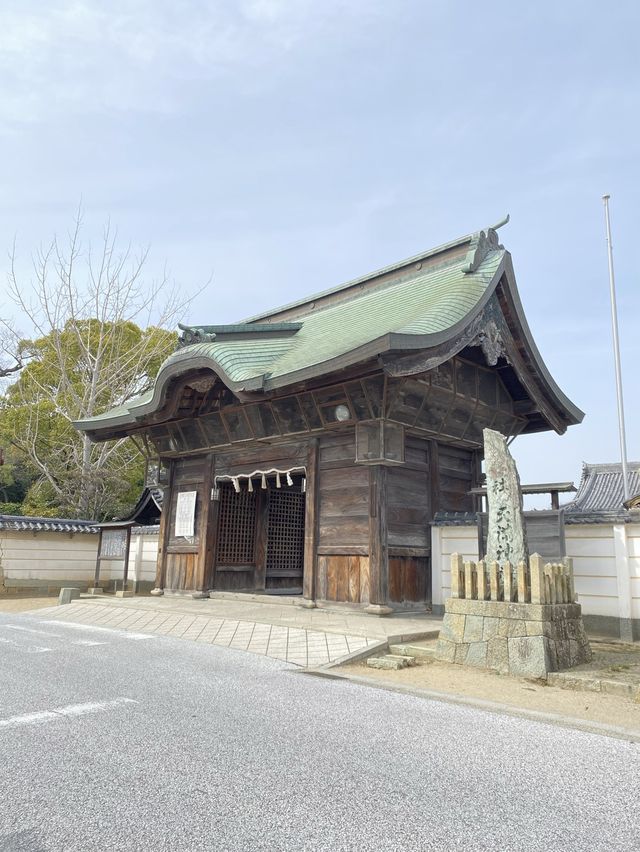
x: 208, y: 333
x: 191, y: 335
x: 482, y: 243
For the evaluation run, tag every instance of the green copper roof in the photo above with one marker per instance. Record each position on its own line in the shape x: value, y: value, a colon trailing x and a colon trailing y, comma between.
x: 427, y: 303
x: 415, y: 304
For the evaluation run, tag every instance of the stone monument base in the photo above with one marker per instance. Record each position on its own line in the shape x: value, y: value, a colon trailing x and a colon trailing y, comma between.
x: 522, y: 639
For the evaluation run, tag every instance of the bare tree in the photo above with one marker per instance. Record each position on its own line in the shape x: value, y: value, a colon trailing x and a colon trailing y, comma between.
x: 10, y: 361
x: 99, y: 340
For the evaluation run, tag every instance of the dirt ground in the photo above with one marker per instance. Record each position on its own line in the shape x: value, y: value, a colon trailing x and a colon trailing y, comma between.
x: 515, y: 692
x: 17, y: 603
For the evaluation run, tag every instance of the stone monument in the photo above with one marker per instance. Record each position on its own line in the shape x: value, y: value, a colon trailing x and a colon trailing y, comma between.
x: 507, y: 536
x: 511, y: 613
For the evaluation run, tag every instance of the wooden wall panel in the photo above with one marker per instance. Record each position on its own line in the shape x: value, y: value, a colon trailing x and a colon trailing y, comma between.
x: 181, y: 561
x: 343, y: 498
x: 190, y: 474
x: 365, y: 579
x: 338, y: 531
x: 190, y: 469
x: 457, y: 476
x: 180, y: 574
x: 409, y: 579
x: 408, y: 508
x: 247, y: 459
x: 344, y: 578
x: 234, y: 581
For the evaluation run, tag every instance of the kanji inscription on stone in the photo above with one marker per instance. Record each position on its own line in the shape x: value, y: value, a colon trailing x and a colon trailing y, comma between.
x: 506, y: 538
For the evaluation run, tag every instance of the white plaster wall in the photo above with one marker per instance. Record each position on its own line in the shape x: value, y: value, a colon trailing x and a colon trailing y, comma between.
x: 444, y: 542
x: 606, y: 564
x: 592, y: 548
x: 143, y: 557
x: 46, y: 557
x: 633, y: 549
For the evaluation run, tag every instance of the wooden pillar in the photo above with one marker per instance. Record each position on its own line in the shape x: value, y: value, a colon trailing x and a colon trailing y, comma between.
x: 262, y: 529
x: 164, y: 533
x: 212, y: 531
x: 125, y: 569
x: 200, y: 579
x: 434, y: 479
x: 310, y: 524
x: 378, y: 547
x: 476, y: 479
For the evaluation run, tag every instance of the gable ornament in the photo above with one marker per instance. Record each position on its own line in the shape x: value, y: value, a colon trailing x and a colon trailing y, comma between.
x: 490, y: 341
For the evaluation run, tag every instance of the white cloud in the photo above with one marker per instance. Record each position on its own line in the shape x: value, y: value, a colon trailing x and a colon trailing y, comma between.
x: 133, y: 54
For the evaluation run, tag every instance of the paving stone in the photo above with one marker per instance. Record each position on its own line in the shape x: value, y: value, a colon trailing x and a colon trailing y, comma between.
x: 387, y: 662
x: 276, y: 650
x: 617, y: 687
x: 416, y: 651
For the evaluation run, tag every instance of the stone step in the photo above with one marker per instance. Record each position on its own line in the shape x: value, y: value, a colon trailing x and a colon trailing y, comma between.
x: 417, y: 651
x: 391, y: 661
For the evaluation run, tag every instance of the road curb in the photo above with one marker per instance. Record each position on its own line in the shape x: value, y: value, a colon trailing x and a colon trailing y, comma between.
x: 481, y: 704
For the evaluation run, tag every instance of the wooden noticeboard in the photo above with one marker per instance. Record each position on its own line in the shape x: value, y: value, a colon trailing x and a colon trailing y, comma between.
x: 113, y: 545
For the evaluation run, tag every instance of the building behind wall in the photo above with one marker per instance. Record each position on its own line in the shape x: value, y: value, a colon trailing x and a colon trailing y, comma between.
x: 306, y: 450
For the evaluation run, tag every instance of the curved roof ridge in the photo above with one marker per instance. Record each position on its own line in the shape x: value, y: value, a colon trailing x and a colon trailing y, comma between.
x: 473, y: 237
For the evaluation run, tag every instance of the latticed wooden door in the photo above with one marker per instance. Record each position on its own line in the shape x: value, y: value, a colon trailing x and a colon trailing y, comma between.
x: 285, y: 538
x: 236, y: 527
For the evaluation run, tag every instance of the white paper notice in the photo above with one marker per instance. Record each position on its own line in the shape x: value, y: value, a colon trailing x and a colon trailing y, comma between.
x: 185, y: 513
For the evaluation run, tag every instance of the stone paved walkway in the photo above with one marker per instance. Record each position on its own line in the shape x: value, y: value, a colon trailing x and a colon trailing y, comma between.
x: 273, y: 627
x: 295, y: 645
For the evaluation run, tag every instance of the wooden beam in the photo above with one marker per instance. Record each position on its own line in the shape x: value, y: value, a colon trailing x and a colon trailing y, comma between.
x: 211, y: 532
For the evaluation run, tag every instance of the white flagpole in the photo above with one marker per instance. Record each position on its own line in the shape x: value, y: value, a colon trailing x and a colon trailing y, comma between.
x: 616, y: 353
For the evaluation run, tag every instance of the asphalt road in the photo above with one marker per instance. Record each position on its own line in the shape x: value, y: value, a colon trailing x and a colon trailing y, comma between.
x: 117, y: 741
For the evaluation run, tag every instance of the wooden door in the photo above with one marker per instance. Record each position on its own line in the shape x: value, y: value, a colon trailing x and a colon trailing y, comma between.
x: 236, y: 548
x: 285, y: 539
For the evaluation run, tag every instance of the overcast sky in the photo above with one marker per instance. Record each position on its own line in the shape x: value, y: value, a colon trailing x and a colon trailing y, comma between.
x: 279, y: 147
